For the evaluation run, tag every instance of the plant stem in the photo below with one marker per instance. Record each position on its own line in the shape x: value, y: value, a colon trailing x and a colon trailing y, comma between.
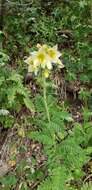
x: 45, y: 100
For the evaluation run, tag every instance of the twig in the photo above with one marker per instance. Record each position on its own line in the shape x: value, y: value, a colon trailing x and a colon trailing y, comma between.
x: 89, y: 176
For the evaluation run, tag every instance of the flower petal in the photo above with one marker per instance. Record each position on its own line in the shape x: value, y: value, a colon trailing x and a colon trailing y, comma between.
x: 59, y: 62
x: 49, y: 65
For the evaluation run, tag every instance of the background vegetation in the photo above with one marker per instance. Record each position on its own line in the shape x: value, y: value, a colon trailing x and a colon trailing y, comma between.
x: 34, y: 155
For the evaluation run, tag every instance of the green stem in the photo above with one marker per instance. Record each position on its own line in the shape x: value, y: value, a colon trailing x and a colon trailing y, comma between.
x: 45, y: 100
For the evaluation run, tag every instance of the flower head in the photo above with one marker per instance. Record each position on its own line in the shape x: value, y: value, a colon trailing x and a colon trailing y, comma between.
x: 46, y: 73
x: 53, y: 53
x: 44, y: 59
x: 40, y: 57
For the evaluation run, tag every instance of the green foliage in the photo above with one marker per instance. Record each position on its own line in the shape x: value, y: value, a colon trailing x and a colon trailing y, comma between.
x: 67, y: 23
x: 3, y: 58
x: 13, y: 94
x: 56, y: 180
x: 66, y: 144
x: 65, y: 154
x: 87, y: 186
x: 8, y: 181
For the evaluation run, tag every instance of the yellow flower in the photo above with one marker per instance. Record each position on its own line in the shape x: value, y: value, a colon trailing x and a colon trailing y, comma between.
x: 46, y: 73
x: 53, y: 54
x: 40, y: 57
x: 44, y: 59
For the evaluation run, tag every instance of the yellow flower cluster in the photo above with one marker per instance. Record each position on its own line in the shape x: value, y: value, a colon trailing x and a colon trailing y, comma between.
x: 44, y: 59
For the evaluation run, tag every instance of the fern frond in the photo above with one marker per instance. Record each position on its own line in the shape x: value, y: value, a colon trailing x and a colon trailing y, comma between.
x: 43, y: 137
x: 56, y: 181
x: 87, y: 186
x: 45, y: 185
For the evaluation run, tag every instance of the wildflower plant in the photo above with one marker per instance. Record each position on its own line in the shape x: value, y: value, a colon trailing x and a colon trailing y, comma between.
x: 41, y: 63
x: 43, y: 60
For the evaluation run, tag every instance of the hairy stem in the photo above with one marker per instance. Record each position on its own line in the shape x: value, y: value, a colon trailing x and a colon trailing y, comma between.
x: 45, y: 100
